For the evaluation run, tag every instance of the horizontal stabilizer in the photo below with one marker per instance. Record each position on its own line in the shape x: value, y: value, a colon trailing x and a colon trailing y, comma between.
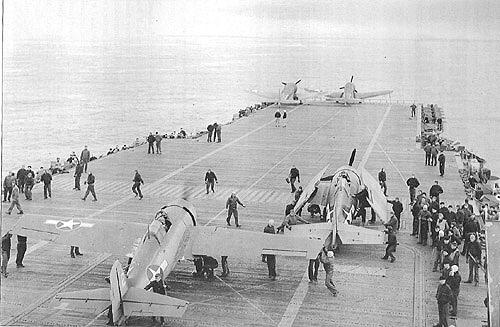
x: 139, y: 302
x: 96, y: 299
x: 350, y: 234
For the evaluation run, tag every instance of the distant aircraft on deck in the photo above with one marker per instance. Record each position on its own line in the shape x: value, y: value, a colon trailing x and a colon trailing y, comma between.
x: 349, y: 94
x: 336, y: 193
x: 286, y: 96
x: 172, y: 236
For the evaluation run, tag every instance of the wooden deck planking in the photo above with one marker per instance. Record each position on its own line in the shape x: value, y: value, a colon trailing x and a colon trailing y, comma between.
x: 253, y: 159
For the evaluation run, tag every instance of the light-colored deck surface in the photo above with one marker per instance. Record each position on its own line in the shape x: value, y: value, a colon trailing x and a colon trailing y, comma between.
x: 253, y: 159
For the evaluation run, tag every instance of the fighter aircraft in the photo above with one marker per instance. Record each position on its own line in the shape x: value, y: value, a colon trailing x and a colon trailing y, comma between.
x: 349, y: 94
x: 335, y: 193
x: 286, y: 96
x: 172, y: 236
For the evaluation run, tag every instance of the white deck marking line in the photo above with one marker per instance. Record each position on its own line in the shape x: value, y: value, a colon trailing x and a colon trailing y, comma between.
x: 300, y: 293
x: 296, y: 302
x: 374, y: 138
x: 247, y: 300
x: 278, y: 163
x: 189, y: 165
x: 95, y: 318
x: 389, y: 158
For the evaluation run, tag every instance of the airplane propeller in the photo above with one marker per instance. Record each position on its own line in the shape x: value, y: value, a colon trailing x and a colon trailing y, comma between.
x: 298, y: 82
x: 353, y: 155
x: 352, y: 76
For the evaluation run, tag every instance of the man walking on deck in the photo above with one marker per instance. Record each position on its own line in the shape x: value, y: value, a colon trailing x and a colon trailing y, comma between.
x: 412, y: 183
x: 46, y: 178
x: 391, y: 244
x: 8, y: 184
x: 413, y: 109
x: 21, y: 250
x: 210, y: 180
x: 210, y: 129
x: 441, y: 160
x: 28, y: 185
x: 21, y: 177
x: 434, y: 154
x: 294, y: 175
x: 427, y: 150
x: 78, y: 175
x: 218, y: 132
x: 90, y: 187
x: 151, y: 143
x: 85, y: 157
x: 382, y: 178
x: 327, y: 261
x: 15, y: 200
x: 270, y: 258
x: 231, y: 205
x: 136, y: 188
x: 6, y: 247
x: 277, y: 118
x: 444, y: 295
x: 158, y: 143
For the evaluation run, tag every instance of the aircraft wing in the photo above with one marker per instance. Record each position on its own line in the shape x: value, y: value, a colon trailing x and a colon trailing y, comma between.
x: 220, y: 241
x: 139, y: 302
x: 336, y: 95
x: 92, y: 234
x: 310, y: 190
x: 350, y: 234
x: 372, y: 94
x: 265, y: 95
x: 97, y: 299
x: 376, y: 198
x: 316, y: 230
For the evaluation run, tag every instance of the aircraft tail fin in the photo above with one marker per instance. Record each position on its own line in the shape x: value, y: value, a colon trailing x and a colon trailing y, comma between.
x: 139, y: 302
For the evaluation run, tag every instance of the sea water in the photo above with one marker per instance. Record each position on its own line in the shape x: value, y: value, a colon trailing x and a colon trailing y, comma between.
x: 60, y: 96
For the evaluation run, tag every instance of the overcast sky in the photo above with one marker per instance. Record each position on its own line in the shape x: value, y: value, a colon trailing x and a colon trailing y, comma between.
x: 111, y: 19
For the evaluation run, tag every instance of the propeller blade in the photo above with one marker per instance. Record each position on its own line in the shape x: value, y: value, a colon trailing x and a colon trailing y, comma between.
x: 283, y: 83
x: 353, y: 155
x: 298, y: 82
x: 341, y: 88
x: 355, y: 91
x: 352, y: 78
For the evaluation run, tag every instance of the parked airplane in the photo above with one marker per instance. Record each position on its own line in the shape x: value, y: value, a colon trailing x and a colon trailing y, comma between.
x: 286, y: 96
x: 336, y: 194
x: 172, y: 236
x: 349, y: 94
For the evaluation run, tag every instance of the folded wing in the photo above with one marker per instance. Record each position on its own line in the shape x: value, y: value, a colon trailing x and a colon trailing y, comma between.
x: 365, y: 95
x: 92, y: 234
x: 311, y: 190
x: 376, y: 197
